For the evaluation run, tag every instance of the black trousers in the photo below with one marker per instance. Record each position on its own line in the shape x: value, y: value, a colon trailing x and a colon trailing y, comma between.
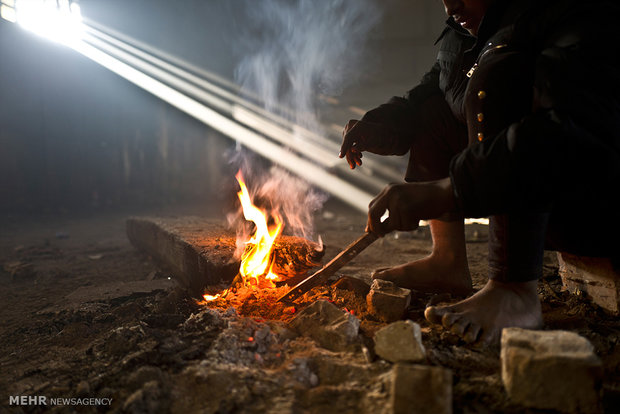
x: 517, y: 241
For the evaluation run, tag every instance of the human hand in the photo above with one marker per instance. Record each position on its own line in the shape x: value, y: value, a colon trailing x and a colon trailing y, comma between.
x: 359, y: 136
x: 408, y: 203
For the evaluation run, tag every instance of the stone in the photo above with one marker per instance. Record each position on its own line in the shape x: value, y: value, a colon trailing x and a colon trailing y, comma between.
x: 421, y: 389
x: 329, y: 326
x: 400, y: 342
x: 596, y: 277
x: 145, y: 400
x: 554, y: 370
x: 386, y: 301
x: 143, y: 375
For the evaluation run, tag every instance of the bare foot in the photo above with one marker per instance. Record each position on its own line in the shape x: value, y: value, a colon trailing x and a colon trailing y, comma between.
x: 444, y: 271
x: 432, y: 274
x: 497, y: 305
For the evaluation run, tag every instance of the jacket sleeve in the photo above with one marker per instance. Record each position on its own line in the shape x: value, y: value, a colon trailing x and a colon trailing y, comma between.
x: 399, y: 113
x: 513, y: 170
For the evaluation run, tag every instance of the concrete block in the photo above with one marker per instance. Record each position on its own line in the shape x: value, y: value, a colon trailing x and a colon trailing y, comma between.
x: 386, y: 301
x: 594, y: 276
x: 555, y: 370
x: 400, y: 342
x: 329, y: 326
x: 201, y: 252
x: 421, y: 389
x: 198, y: 252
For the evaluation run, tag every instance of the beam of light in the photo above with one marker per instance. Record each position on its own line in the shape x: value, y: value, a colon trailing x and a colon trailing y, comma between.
x: 8, y: 13
x: 57, y: 21
x: 62, y: 22
x: 207, y: 81
x: 252, y: 140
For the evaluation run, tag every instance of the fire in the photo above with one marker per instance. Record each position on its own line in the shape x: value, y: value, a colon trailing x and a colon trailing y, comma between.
x: 257, y: 259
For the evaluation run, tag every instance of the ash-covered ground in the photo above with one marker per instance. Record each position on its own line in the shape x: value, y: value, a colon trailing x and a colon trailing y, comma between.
x: 85, y: 315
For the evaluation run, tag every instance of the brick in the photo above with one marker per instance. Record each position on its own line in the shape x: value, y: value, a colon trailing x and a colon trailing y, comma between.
x: 400, y: 342
x: 596, y: 277
x: 555, y: 370
x: 329, y: 326
x: 386, y: 301
x: 421, y: 389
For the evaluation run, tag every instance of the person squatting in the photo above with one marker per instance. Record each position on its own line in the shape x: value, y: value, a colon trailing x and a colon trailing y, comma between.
x: 518, y: 120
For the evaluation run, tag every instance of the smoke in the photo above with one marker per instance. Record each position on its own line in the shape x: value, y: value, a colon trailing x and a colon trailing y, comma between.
x: 295, y: 50
x: 278, y: 193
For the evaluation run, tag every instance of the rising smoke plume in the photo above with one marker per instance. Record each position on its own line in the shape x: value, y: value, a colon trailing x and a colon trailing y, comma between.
x: 292, y: 52
x: 295, y: 50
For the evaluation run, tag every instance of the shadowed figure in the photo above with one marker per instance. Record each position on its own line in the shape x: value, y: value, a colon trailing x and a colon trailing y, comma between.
x: 518, y: 121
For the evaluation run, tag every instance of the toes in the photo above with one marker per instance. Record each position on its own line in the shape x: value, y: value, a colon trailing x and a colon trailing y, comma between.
x: 457, y: 323
x: 434, y: 314
x: 460, y: 326
x: 450, y: 318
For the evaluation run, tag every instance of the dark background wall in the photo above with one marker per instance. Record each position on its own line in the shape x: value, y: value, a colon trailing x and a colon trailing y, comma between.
x: 74, y: 136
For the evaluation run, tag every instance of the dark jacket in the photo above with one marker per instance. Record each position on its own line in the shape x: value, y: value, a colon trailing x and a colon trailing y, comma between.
x: 556, y: 135
x: 564, y: 150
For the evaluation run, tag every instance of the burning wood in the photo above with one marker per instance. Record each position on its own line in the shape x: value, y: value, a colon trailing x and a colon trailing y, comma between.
x: 265, y: 259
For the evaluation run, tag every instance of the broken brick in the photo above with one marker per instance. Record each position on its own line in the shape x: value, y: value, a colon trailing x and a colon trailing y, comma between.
x: 421, y: 389
x: 330, y: 327
x: 386, y: 301
x: 400, y: 342
x: 555, y: 370
x: 594, y: 276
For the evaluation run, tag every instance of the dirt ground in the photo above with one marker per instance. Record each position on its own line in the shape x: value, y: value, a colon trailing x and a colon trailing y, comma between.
x: 85, y: 315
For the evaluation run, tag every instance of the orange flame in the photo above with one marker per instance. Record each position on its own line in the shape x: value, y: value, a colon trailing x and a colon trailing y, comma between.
x: 256, y: 260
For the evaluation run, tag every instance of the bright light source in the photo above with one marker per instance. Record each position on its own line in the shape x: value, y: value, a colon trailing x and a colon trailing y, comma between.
x: 58, y: 21
x: 76, y: 11
x: 10, y: 3
x: 8, y: 13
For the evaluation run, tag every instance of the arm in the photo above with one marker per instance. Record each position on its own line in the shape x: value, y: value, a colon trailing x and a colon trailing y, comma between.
x: 388, y: 129
x: 409, y: 203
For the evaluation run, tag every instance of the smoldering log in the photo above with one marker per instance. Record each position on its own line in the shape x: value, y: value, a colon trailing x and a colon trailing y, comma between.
x: 295, y: 256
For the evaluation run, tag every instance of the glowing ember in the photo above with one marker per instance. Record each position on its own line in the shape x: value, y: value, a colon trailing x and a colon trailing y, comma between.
x: 257, y: 259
